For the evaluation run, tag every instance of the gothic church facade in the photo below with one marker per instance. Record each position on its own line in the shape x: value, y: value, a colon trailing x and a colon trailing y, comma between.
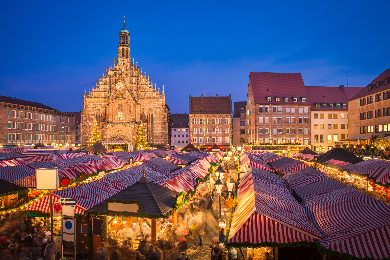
x: 123, y: 98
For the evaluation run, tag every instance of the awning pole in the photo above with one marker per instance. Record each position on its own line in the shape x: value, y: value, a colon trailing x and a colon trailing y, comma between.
x: 154, y: 230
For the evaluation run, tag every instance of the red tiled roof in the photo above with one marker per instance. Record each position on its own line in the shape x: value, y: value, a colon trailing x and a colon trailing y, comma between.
x: 210, y: 105
x: 318, y: 94
x: 24, y: 103
x: 352, y: 91
x: 381, y: 80
x: 269, y: 84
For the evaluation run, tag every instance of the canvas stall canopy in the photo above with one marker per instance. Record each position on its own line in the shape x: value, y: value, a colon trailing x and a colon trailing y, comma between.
x: 267, y: 213
x: 352, y: 223
x: 286, y: 165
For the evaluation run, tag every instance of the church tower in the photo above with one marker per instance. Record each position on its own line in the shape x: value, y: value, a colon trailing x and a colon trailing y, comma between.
x: 124, y: 46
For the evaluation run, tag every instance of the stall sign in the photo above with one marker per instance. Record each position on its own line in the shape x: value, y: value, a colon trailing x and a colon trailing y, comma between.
x: 116, y: 206
x: 47, y: 178
x: 57, y: 207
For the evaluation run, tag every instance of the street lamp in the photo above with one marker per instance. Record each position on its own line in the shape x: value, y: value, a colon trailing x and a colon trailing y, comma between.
x: 222, y: 223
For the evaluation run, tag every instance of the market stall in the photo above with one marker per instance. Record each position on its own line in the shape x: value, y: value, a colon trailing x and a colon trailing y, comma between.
x: 138, y: 211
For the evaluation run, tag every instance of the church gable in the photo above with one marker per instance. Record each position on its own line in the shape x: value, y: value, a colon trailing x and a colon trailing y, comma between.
x: 120, y: 96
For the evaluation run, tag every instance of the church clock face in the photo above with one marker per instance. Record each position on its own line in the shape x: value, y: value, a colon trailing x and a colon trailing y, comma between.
x: 119, y: 86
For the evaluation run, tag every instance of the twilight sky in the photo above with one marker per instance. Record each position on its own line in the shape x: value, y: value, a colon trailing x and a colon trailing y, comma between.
x: 51, y: 49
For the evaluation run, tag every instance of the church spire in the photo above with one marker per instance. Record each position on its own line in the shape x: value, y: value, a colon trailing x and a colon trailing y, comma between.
x: 124, y: 45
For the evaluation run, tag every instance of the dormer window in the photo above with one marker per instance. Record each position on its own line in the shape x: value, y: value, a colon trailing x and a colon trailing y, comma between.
x: 338, y: 105
x: 317, y: 105
x: 277, y: 99
x: 285, y: 99
x: 295, y: 99
x: 303, y: 99
x: 324, y: 105
x: 269, y: 99
x: 344, y: 105
x: 331, y: 105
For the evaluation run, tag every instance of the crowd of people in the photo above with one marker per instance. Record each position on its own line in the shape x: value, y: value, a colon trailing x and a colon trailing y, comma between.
x: 23, y: 237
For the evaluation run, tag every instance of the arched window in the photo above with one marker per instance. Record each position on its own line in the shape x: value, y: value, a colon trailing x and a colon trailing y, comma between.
x: 120, y: 112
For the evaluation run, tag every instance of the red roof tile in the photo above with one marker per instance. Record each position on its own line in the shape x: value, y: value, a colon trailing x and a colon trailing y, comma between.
x: 352, y: 91
x: 211, y: 105
x: 370, y: 89
x: 318, y: 94
x: 269, y: 84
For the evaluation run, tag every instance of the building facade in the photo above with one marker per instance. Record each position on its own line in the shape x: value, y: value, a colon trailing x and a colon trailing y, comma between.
x: 369, y: 110
x: 29, y: 123
x: 277, y: 109
x: 122, y: 99
x: 329, y: 115
x: 210, y: 121
x: 180, y: 130
x: 239, y: 123
x: 77, y: 128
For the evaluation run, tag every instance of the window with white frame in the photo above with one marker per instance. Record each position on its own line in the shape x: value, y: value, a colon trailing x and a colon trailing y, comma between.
x: 226, y: 121
x: 227, y: 130
x: 194, y: 140
x: 266, y: 130
x: 213, y: 130
x: 293, y: 110
x: 226, y: 140
x: 200, y: 140
x: 219, y: 130
x: 261, y: 120
x: 207, y: 130
x: 194, y: 121
x: 201, y: 121
x: 287, y: 120
x: 200, y: 130
x: 207, y: 139
x: 306, y: 110
x: 219, y: 140
x: 194, y: 131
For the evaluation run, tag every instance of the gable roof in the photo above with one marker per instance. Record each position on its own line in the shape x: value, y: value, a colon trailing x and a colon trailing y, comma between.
x: 180, y: 120
x: 211, y: 105
x: 379, y: 84
x: 24, y: 102
x: 319, y: 94
x: 270, y: 84
x: 352, y: 91
x: 239, y: 107
x: 339, y: 154
x: 154, y: 199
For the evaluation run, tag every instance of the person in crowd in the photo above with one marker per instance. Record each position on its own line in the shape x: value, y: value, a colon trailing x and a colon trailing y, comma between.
x: 222, y: 252
x: 214, y: 248
x: 101, y: 253
x: 139, y: 256
x: 182, y: 256
x: 115, y: 255
x: 37, y: 246
x: 50, y: 252
x: 233, y: 254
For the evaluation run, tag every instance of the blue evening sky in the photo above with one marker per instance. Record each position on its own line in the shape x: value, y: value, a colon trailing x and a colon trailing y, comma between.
x: 51, y: 49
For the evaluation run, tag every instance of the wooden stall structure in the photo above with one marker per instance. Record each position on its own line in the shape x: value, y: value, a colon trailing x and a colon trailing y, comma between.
x: 143, y: 202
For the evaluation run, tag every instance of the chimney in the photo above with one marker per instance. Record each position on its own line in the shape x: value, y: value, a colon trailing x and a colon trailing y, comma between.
x: 201, y: 96
x: 342, y: 87
x: 177, y: 114
x: 216, y: 95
